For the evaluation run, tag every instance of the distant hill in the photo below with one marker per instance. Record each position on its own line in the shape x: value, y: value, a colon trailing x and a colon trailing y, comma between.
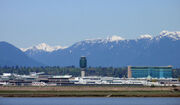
x: 12, y: 56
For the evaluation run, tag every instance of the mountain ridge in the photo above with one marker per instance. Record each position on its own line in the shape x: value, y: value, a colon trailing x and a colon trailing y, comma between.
x: 45, y: 47
x: 160, y: 50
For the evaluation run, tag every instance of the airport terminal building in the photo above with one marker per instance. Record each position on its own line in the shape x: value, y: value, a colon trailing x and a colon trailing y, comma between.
x: 151, y: 72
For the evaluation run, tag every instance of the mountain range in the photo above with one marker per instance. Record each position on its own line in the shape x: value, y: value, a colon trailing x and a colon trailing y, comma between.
x: 160, y: 50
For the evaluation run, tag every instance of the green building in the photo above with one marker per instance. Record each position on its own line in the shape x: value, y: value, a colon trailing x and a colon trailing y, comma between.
x: 153, y: 72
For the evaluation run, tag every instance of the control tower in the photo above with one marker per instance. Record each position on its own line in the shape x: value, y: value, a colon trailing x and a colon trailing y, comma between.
x: 83, y: 65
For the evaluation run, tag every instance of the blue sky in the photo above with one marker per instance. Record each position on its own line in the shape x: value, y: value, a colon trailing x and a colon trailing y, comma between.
x: 63, y: 22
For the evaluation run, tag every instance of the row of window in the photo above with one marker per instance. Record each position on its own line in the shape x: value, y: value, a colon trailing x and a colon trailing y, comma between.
x: 155, y: 73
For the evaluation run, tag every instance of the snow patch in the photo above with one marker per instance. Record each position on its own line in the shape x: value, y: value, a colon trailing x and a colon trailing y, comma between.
x: 101, y: 40
x: 115, y: 38
x: 43, y: 47
x: 147, y: 36
x: 174, y: 35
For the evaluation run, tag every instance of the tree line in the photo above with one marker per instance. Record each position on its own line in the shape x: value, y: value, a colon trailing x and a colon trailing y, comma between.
x: 74, y: 71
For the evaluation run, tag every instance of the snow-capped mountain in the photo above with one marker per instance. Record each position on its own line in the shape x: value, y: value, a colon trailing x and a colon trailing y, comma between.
x: 146, y: 50
x: 43, y: 47
x: 160, y: 50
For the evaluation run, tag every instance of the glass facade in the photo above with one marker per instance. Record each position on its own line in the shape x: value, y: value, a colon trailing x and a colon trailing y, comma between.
x: 83, y: 62
x: 154, y: 72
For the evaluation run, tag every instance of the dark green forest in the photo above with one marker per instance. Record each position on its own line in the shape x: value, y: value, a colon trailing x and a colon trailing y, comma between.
x: 74, y: 71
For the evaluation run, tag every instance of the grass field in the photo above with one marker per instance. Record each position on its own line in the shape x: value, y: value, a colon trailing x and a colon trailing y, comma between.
x: 89, y: 91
